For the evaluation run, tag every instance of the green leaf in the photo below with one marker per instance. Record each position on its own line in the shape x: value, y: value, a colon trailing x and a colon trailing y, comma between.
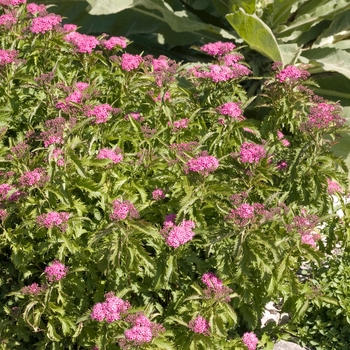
x: 256, y: 33
x: 51, y: 332
x: 247, y: 5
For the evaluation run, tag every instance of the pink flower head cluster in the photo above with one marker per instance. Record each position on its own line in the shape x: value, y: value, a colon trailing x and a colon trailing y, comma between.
x: 130, y: 62
x: 231, y: 59
x: 291, y: 74
x: 218, y: 48
x: 284, y: 141
x: 53, y: 219
x: 69, y: 28
x: 114, y: 41
x: 33, y: 289
x: 215, y: 288
x: 7, y: 20
x: 110, y: 310
x: 78, y: 95
x: 162, y: 68
x: 3, y: 214
x: 179, y: 124
x: 54, y: 133
x: 114, y: 155
x: 250, y: 340
x: 177, y: 235
x: 199, y: 325
x: 36, y: 177
x: 8, y: 193
x: 83, y: 43
x: 246, y: 213
x: 231, y: 109
x: 203, y: 164
x: 34, y: 9
x: 7, y: 57
x: 251, y: 152
x: 58, y: 156
x: 141, y: 332
x: 134, y: 115
x: 45, y: 23
x: 123, y: 210
x: 158, y: 194
x: 56, y: 271
x: 323, y: 116
x: 12, y: 2
x: 100, y: 112
x: 305, y: 225
x: 333, y: 187
x: 184, y: 147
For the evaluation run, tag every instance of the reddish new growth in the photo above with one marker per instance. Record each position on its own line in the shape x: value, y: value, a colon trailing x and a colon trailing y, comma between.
x: 203, y: 164
x: 251, y: 152
x: 199, y: 325
x: 110, y: 310
x: 218, y: 48
x: 324, y: 116
x: 123, y: 210
x: 250, y: 340
x: 56, y: 271
x: 176, y: 235
x: 54, y: 219
x: 215, y: 288
x: 33, y: 289
x: 141, y: 332
x: 114, y: 155
x: 305, y: 225
x: 291, y: 74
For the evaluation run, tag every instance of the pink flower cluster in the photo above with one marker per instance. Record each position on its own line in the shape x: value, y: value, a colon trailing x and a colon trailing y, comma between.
x: 58, y: 156
x: 134, y: 115
x: 114, y: 41
x: 203, y: 164
x: 83, y: 43
x: 177, y: 235
x: 7, y: 20
x: 56, y: 271
x: 215, y: 288
x: 3, y: 214
x: 77, y: 96
x: 8, y: 193
x: 33, y: 289
x: 130, y: 62
x: 231, y: 59
x: 291, y: 74
x: 250, y: 340
x: 114, y: 155
x: 142, y: 331
x: 110, y: 310
x: 53, y: 219
x: 54, y: 133
x: 162, y: 68
x: 7, y: 57
x: 284, y: 141
x: 158, y: 194
x: 179, y: 124
x: 123, y: 210
x: 333, y: 187
x: 218, y: 48
x: 45, y: 23
x: 323, y: 116
x: 184, y: 147
x: 231, y: 109
x: 100, y: 112
x: 199, y: 325
x: 36, y: 177
x: 34, y: 9
x: 251, y: 152
x: 246, y: 213
x: 12, y: 2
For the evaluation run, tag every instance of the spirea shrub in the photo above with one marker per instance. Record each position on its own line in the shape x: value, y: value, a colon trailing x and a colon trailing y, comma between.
x: 141, y: 205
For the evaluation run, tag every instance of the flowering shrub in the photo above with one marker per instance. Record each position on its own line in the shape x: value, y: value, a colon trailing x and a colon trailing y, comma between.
x: 142, y: 204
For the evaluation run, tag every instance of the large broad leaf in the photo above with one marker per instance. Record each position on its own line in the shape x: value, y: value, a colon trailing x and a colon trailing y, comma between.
x: 312, y: 12
x: 290, y: 53
x: 256, y: 33
x: 247, y: 5
x: 330, y: 59
x: 281, y: 10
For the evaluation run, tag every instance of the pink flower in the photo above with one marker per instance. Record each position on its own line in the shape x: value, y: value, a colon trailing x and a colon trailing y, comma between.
x: 231, y: 109
x: 70, y: 27
x: 218, y: 48
x: 33, y: 289
x: 199, y: 325
x: 34, y: 9
x: 139, y: 334
x: 333, y: 187
x: 83, y: 43
x: 110, y: 310
x: 179, y: 124
x: 203, y: 164
x: 54, y: 133
x: 219, y: 73
x: 158, y: 194
x: 7, y: 56
x: 114, y: 41
x: 178, y: 235
x: 35, y: 177
x: 123, y: 210
x: 285, y: 143
x: 291, y: 74
x: 56, y: 271
x: 211, y: 281
x: 114, y: 156
x: 130, y: 62
x: 12, y: 2
x: 101, y: 113
x: 45, y: 24
x: 3, y: 214
x: 250, y: 340
x: 58, y: 156
x: 134, y: 115
x: 282, y: 165
x: 231, y: 59
x: 53, y: 219
x: 251, y: 152
x: 7, y: 20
